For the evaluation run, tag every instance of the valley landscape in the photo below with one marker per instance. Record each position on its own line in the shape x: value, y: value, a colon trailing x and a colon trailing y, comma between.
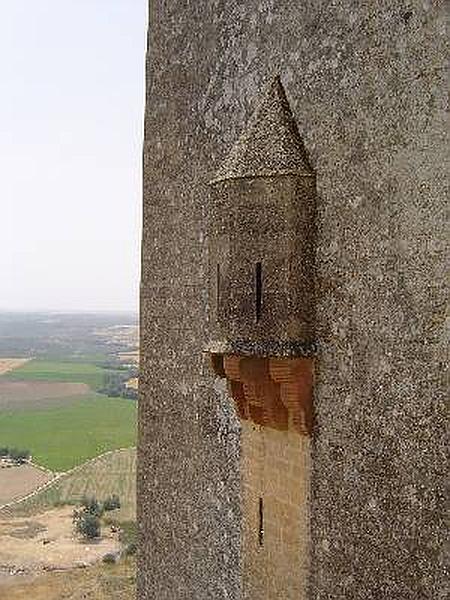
x: 68, y: 410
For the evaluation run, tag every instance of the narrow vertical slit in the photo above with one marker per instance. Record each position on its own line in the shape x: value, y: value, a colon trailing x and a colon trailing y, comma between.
x: 218, y: 291
x: 258, y: 291
x: 261, y: 523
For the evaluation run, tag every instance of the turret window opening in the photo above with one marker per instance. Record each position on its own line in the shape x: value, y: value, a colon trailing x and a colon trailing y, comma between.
x: 261, y: 522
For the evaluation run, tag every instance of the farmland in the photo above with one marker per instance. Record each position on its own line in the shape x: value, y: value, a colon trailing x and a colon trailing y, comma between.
x: 37, y: 535
x: 62, y: 371
x: 19, y: 395
x: 16, y: 482
x: 64, y: 436
x: 112, y: 473
x: 50, y: 405
x: 8, y: 364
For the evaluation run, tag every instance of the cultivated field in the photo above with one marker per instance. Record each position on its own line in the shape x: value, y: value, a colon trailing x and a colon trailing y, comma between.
x: 48, y: 405
x: 16, y: 482
x: 67, y: 371
x: 62, y: 437
x: 112, y: 473
x: 36, y: 534
x: 15, y: 395
x: 131, y: 357
x: 100, y: 582
x: 8, y: 364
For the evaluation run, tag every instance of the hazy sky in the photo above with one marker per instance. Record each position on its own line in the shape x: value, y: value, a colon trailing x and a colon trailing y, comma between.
x: 71, y: 109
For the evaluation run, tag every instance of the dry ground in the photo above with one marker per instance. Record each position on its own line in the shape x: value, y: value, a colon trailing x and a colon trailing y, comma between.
x: 16, y: 482
x: 47, y: 543
x: 38, y: 394
x: 8, y: 364
x: 100, y: 582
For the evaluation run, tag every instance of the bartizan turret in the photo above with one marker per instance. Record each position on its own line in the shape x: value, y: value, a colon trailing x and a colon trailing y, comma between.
x: 261, y: 269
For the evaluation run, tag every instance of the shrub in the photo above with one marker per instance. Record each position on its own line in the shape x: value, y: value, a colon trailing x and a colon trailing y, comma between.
x: 92, y: 506
x: 19, y: 456
x: 109, y: 559
x: 111, y: 503
x: 128, y: 533
x: 131, y: 549
x: 86, y: 524
x: 130, y: 393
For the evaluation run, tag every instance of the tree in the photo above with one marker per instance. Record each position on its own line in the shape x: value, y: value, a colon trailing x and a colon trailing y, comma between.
x: 19, y: 456
x: 86, y: 524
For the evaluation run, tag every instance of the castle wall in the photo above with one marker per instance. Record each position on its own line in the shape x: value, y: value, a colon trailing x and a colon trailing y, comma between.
x: 366, y: 83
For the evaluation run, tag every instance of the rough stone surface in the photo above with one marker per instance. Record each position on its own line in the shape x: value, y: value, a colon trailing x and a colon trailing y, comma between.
x: 270, y: 223
x: 261, y: 238
x: 270, y: 144
x: 367, y: 86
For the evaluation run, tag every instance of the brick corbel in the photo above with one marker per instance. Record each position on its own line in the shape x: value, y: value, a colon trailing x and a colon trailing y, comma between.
x: 271, y: 392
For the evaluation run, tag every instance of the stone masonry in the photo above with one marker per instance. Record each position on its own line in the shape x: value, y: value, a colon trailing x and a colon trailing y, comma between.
x: 238, y: 500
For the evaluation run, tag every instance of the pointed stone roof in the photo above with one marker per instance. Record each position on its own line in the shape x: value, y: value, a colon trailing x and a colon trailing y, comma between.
x: 270, y: 144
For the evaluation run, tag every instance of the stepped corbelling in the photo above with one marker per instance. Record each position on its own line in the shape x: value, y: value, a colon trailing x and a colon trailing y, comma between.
x: 271, y: 392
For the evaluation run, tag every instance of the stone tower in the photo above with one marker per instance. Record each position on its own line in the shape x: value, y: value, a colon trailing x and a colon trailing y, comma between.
x: 291, y: 427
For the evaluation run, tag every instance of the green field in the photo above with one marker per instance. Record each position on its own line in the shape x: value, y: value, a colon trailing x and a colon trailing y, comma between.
x: 70, y: 371
x: 62, y: 437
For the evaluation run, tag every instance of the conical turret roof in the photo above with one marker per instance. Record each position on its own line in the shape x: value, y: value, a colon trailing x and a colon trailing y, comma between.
x: 270, y: 144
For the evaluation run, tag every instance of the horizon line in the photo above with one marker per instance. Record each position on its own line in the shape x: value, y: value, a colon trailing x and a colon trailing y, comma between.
x: 70, y: 311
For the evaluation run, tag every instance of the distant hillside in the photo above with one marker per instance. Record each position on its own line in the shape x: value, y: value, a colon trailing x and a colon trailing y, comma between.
x: 111, y: 473
x: 70, y: 335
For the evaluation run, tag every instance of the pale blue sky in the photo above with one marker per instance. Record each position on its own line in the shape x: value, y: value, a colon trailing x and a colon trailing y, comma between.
x: 71, y: 110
